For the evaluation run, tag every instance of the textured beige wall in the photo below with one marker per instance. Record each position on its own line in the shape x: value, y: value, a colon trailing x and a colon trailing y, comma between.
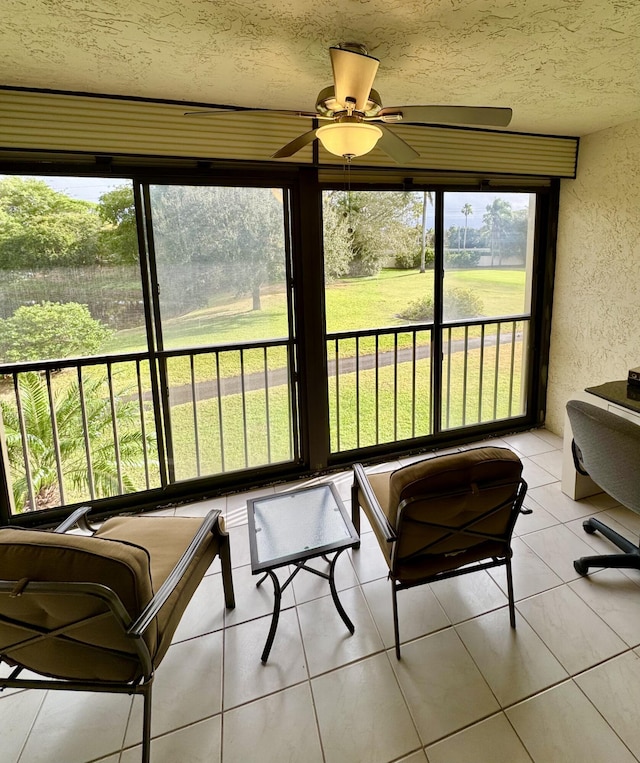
x: 595, y: 334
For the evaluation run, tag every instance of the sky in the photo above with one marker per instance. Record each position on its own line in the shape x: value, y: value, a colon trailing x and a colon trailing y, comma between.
x: 91, y: 188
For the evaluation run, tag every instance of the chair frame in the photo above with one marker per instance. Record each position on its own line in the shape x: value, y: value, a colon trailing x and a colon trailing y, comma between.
x: 132, y: 629
x: 385, y: 530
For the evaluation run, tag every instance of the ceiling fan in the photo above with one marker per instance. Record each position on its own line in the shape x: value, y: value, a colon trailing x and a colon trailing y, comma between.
x: 356, y: 119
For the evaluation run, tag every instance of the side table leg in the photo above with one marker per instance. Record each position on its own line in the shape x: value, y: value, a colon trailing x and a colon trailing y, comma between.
x: 334, y: 594
x: 277, y: 596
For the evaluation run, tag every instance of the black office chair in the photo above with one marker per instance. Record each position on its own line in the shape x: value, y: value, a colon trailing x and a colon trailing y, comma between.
x: 607, y: 448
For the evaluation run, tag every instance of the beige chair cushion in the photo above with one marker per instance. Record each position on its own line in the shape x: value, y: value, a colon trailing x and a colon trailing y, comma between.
x: 454, y: 490
x: 379, y: 482
x: 37, y: 555
x: 165, y: 540
x: 131, y: 555
x: 435, y: 477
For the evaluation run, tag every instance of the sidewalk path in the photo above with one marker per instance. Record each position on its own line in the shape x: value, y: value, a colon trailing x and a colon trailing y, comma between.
x: 206, y: 390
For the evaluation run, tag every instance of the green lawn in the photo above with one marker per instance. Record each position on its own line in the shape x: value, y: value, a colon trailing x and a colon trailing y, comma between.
x: 351, y: 303
x: 366, y: 415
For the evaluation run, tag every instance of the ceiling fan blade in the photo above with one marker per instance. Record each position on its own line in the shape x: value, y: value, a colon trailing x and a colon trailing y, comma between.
x: 240, y: 112
x: 353, y: 75
x: 398, y: 149
x: 488, y: 116
x: 300, y: 142
x: 236, y: 112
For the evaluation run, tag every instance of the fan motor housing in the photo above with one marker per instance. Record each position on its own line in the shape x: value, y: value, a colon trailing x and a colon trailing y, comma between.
x: 327, y: 106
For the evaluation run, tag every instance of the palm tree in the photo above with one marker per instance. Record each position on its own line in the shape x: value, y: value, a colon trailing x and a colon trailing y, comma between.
x: 466, y: 211
x: 77, y: 476
x: 496, y: 222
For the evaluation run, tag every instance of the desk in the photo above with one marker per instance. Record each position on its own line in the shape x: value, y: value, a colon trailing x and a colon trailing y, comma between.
x: 291, y: 528
x: 612, y: 396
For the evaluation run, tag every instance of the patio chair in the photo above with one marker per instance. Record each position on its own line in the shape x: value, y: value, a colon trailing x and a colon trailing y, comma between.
x: 443, y: 517
x: 607, y: 448
x: 97, y: 612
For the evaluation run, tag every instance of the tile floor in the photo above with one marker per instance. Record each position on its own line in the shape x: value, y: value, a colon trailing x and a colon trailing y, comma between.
x: 565, y: 686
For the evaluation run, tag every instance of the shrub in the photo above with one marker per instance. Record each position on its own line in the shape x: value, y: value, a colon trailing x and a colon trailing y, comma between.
x: 410, y: 259
x: 462, y: 258
x: 461, y: 303
x: 458, y: 303
x: 419, y: 310
x: 51, y: 330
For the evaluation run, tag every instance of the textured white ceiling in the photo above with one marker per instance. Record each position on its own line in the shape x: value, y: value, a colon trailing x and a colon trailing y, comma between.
x: 566, y: 67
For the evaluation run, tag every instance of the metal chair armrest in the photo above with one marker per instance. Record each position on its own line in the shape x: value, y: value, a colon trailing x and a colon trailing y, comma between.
x: 146, y: 617
x: 375, y: 514
x: 78, y: 517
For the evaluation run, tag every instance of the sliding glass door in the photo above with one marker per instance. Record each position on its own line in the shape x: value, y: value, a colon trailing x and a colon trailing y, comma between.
x: 224, y: 332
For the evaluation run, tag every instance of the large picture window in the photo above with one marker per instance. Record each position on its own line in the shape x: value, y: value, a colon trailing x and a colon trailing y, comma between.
x: 164, y: 337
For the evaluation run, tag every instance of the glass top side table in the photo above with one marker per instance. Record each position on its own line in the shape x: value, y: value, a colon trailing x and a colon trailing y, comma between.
x: 291, y: 528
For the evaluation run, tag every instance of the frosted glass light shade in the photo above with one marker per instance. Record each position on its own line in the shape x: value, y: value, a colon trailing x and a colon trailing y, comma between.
x: 349, y: 138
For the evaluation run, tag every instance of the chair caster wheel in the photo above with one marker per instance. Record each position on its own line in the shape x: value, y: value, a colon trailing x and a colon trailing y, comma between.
x: 580, y: 567
x: 588, y: 528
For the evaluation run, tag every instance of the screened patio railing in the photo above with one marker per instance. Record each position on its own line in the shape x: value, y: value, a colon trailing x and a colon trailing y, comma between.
x: 381, y: 380
x: 79, y: 429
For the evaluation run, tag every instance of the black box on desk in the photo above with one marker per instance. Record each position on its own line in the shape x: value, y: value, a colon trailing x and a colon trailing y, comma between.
x: 634, y: 377
x: 633, y: 391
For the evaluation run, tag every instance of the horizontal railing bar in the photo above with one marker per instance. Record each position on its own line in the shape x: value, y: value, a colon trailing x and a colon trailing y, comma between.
x: 225, y: 347
x: 423, y: 327
x: 387, y: 331
x: 55, y: 365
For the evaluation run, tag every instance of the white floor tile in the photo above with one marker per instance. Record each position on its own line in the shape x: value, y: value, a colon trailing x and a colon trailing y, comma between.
x: 530, y: 574
x: 469, y: 595
x: 197, y: 743
x: 528, y: 443
x: 562, y: 725
x: 558, y: 547
x: 362, y: 715
x: 280, y: 727
x: 537, y: 520
x: 18, y: 712
x: 76, y: 727
x: 514, y: 662
x: 368, y: 561
x: 574, y: 633
x: 443, y: 686
x: 551, y: 498
x: 245, y: 677
x: 614, y: 688
x: 205, y: 611
x: 490, y: 741
x: 419, y: 612
x: 535, y: 475
x: 551, y: 462
x: 327, y: 642
x: 616, y: 599
x: 187, y: 688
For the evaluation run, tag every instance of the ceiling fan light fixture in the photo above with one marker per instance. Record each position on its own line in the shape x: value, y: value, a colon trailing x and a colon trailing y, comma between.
x: 349, y: 139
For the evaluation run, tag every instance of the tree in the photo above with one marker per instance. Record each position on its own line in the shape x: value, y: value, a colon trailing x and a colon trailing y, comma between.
x: 43, y: 227
x: 237, y: 231
x: 497, y: 221
x: 337, y: 237
x: 466, y: 211
x: 51, y: 330
x: 120, y: 239
x: 427, y: 196
x: 380, y: 224
x: 71, y: 441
